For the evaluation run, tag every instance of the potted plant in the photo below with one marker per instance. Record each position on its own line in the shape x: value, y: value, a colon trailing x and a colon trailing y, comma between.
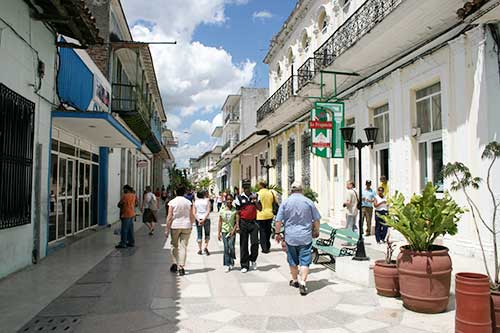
x: 424, y: 268
x: 462, y: 180
x: 386, y: 273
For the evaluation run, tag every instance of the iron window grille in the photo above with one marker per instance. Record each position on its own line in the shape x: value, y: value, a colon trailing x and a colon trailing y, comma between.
x: 279, y: 156
x: 306, y: 159
x: 291, y: 161
x: 16, y: 158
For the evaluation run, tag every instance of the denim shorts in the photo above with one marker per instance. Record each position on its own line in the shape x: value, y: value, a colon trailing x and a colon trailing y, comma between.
x: 299, y: 255
x: 203, y: 229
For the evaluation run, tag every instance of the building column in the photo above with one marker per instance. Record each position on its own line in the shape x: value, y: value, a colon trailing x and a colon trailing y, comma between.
x: 102, y: 197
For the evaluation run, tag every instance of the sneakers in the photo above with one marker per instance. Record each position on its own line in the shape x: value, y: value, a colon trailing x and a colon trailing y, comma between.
x: 294, y: 284
x: 244, y: 270
x: 173, y: 268
x: 303, y: 289
x: 206, y: 252
x: 120, y: 246
x: 227, y: 269
x: 200, y: 253
x: 253, y: 265
x: 182, y: 272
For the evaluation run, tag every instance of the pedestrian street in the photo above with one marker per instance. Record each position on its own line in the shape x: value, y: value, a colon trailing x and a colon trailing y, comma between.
x: 132, y: 290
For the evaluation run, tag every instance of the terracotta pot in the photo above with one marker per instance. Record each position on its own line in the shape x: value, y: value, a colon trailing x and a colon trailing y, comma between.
x: 495, y: 313
x: 386, y: 278
x: 473, y: 311
x: 424, y: 279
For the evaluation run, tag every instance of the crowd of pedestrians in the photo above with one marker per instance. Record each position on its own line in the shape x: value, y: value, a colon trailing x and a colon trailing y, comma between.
x: 251, y: 215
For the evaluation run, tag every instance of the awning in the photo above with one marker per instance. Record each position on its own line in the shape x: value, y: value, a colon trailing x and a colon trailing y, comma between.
x: 99, y: 128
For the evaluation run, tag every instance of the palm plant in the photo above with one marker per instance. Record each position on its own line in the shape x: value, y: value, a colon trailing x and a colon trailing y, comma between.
x: 424, y: 218
x: 205, y: 184
x: 462, y: 180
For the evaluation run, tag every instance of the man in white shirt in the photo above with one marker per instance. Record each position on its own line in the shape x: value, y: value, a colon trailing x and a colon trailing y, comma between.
x: 149, y: 208
x: 351, y: 206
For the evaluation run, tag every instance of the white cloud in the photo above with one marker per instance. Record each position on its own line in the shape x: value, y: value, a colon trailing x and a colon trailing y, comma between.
x: 202, y: 126
x: 193, y: 78
x: 184, y: 152
x: 262, y: 15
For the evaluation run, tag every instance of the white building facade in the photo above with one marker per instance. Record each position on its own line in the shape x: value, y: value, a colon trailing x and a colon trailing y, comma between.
x: 426, y: 77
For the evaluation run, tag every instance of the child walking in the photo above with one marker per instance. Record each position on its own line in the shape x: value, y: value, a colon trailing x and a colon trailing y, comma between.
x: 229, y: 221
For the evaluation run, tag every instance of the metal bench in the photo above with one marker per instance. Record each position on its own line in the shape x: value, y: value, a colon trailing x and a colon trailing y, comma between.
x: 327, y: 246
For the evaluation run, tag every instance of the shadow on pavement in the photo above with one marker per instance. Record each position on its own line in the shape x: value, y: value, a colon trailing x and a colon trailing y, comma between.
x: 318, y: 285
x: 267, y: 267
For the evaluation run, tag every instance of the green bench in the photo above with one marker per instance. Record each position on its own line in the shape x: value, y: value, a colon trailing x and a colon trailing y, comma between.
x: 327, y: 246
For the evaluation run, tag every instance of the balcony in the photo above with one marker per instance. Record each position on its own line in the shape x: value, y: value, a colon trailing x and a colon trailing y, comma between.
x: 135, y: 110
x: 360, y: 23
x: 357, y: 25
x: 280, y: 96
x: 231, y: 117
x: 226, y: 146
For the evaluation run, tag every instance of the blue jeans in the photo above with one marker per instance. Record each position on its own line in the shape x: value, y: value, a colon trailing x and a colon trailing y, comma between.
x: 127, y: 232
x: 299, y: 255
x: 203, y: 227
x: 380, y: 227
x: 351, y: 221
x: 229, y: 252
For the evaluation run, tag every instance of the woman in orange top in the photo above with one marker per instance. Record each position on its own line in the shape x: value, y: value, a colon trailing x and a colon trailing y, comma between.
x: 127, y: 205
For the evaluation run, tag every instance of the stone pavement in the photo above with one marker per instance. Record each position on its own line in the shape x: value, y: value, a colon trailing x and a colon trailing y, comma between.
x: 133, y: 291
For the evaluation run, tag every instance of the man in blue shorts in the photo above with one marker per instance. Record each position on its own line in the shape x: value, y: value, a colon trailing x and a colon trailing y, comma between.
x: 300, y: 218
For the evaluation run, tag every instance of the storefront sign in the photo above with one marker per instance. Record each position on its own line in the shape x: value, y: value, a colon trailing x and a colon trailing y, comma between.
x: 326, y: 121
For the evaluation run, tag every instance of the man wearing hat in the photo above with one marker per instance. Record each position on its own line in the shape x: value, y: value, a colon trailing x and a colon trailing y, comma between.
x: 246, y: 204
x: 368, y: 197
x: 301, y: 220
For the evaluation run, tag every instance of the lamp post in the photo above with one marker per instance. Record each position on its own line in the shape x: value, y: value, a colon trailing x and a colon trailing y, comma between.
x: 267, y: 167
x: 371, y: 135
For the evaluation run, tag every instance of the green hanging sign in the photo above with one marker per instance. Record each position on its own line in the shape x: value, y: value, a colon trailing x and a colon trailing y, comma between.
x: 326, y: 121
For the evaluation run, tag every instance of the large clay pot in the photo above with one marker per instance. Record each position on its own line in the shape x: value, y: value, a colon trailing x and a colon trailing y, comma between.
x: 495, y: 300
x: 473, y: 311
x: 424, y: 279
x: 386, y: 278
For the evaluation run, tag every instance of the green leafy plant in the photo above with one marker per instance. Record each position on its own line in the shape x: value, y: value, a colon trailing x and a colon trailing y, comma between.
x: 205, y: 184
x: 424, y: 218
x: 310, y: 194
x: 462, y: 180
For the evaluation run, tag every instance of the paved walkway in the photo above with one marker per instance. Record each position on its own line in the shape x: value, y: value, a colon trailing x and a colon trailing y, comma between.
x: 133, y: 291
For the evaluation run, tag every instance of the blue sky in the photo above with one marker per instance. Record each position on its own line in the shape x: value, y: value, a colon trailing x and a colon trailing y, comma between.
x: 221, y: 46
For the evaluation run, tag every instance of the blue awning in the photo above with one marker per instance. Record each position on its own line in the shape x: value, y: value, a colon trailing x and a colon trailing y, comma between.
x: 99, y: 128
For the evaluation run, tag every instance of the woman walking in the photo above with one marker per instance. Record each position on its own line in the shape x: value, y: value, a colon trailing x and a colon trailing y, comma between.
x: 180, y: 220
x: 229, y: 222
x: 219, y: 201
x: 380, y: 205
x: 201, y: 213
x: 149, y: 208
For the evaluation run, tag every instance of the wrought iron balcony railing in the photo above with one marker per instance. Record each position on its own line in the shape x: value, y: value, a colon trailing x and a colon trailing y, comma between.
x: 357, y: 25
x: 306, y: 73
x: 287, y: 90
x: 128, y: 98
x: 226, y: 146
x: 231, y: 117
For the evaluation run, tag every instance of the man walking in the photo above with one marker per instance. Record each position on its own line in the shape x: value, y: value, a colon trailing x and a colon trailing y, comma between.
x: 301, y: 219
x: 367, y: 206
x: 127, y: 205
x: 351, y: 206
x: 246, y: 205
x: 265, y: 215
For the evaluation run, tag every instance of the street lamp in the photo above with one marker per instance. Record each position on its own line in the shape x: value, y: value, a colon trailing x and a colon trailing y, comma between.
x: 371, y: 134
x: 263, y: 164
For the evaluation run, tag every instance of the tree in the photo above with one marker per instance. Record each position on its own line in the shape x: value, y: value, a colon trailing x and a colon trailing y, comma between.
x: 205, y: 184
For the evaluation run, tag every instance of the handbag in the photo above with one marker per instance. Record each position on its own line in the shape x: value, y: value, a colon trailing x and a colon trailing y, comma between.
x: 276, y: 205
